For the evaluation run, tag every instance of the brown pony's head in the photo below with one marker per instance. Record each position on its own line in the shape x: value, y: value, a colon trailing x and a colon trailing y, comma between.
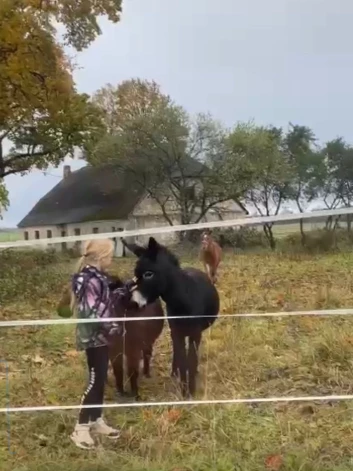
x: 122, y: 303
x: 206, y: 239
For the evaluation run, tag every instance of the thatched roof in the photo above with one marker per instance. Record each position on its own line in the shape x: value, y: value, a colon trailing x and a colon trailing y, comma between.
x: 88, y: 194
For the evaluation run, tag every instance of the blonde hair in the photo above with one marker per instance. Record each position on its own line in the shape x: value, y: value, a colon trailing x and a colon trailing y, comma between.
x: 95, y: 253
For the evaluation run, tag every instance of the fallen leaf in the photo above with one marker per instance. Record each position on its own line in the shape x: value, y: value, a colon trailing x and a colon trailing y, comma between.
x: 38, y: 360
x: 274, y: 462
x: 52, y: 399
x: 307, y: 410
x: 71, y: 353
x: 147, y: 414
x: 173, y: 415
x: 43, y: 440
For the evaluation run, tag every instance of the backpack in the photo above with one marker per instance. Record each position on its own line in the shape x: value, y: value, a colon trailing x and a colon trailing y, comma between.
x: 63, y: 309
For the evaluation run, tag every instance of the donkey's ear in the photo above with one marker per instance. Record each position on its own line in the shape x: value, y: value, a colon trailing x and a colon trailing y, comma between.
x: 153, y: 247
x: 134, y: 248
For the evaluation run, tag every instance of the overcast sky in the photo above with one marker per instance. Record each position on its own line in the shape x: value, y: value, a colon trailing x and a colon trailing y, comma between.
x: 273, y: 61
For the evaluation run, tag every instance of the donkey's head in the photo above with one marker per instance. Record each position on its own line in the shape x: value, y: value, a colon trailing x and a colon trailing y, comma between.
x: 153, y: 268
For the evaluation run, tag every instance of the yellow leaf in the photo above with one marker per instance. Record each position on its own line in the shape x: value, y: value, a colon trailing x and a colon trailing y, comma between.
x: 72, y: 353
x: 38, y: 360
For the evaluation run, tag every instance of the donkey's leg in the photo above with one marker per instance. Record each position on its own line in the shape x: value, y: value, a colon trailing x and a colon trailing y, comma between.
x: 214, y: 276
x: 205, y: 267
x: 147, y: 354
x: 180, y: 358
x: 133, y: 363
x: 117, y: 361
x: 194, y: 343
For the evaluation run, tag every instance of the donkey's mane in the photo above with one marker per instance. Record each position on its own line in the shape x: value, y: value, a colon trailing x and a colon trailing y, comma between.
x: 116, y: 280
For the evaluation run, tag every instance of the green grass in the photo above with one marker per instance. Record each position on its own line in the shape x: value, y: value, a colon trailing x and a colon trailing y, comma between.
x: 239, y: 358
x: 9, y: 236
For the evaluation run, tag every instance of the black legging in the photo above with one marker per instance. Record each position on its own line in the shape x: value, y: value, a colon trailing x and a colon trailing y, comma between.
x: 97, y: 362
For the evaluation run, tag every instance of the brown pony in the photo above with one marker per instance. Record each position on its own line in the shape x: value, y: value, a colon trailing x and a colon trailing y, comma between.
x: 138, y: 340
x: 211, y: 255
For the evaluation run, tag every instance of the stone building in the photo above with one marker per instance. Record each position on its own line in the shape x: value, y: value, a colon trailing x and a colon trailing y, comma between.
x: 102, y: 199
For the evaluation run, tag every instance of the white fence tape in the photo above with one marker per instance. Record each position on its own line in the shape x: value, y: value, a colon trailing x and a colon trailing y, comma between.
x: 260, y: 315
x: 247, y: 221
x: 260, y: 400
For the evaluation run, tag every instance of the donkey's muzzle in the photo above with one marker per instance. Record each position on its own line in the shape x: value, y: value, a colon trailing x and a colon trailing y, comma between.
x: 132, y: 284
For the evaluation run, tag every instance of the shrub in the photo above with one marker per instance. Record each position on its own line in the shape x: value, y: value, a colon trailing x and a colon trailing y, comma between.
x: 319, y: 241
x: 31, y: 274
x: 242, y: 238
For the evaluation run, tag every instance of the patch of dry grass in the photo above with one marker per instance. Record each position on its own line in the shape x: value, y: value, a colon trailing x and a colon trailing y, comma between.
x: 239, y: 357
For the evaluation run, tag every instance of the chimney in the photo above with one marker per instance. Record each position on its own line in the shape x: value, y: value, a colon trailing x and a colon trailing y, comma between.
x: 67, y: 171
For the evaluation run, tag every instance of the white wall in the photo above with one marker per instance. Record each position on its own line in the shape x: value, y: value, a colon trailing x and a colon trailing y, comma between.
x: 85, y: 228
x: 148, y: 214
x: 102, y: 227
x: 147, y: 222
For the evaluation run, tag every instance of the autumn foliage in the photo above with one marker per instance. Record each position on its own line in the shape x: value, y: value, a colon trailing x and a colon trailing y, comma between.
x: 41, y: 113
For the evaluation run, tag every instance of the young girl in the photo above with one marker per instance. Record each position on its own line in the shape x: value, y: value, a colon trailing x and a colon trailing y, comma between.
x: 91, y: 298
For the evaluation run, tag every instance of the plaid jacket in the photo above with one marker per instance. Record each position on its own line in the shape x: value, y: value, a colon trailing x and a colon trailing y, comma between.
x: 94, y: 300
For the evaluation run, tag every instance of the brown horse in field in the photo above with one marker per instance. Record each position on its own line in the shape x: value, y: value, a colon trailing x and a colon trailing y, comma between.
x: 211, y: 255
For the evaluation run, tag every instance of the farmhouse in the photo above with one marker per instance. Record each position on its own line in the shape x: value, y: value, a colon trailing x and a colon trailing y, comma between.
x: 104, y: 199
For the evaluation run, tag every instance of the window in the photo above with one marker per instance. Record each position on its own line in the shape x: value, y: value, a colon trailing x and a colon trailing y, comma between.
x: 114, y: 239
x: 63, y: 245
x: 49, y: 234
x: 77, y: 244
x: 36, y: 235
x: 26, y: 235
x: 190, y: 193
x: 95, y: 230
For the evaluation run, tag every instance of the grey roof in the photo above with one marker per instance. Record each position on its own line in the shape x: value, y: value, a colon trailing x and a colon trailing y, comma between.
x: 89, y: 194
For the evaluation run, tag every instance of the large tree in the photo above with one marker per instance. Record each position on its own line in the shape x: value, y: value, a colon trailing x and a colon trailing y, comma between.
x: 306, y: 167
x: 42, y: 116
x: 170, y: 155
x: 257, y: 154
x: 338, y: 182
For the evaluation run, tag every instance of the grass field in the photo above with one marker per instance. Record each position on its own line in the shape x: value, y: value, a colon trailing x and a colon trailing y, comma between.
x: 239, y: 358
x: 9, y: 235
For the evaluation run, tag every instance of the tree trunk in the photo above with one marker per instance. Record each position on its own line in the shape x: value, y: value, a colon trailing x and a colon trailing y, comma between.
x: 336, y: 223
x: 328, y: 223
x: 269, y: 235
x: 302, y: 232
x: 349, y: 226
x: 184, y: 235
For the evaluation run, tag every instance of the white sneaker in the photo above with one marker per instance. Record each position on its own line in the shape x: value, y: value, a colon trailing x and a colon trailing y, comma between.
x: 102, y: 428
x: 82, y: 438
